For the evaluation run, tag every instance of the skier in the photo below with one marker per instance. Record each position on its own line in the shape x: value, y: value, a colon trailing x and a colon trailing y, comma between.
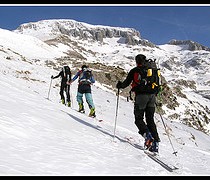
x: 85, y: 81
x: 144, y: 105
x: 65, y: 75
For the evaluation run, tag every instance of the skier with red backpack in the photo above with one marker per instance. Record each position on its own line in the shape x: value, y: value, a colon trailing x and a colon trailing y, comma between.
x: 144, y: 80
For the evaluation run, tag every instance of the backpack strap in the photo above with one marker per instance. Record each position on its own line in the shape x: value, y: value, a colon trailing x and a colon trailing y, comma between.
x: 64, y: 72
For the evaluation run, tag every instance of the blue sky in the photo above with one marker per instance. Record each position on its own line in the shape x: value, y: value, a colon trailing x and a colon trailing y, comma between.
x: 156, y: 23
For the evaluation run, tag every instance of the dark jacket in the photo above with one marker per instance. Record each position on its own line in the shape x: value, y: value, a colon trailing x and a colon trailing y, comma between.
x: 64, y: 79
x: 137, y: 78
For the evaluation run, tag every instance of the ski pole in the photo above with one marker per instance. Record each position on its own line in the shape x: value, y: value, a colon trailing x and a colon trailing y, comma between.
x: 71, y: 96
x: 49, y: 89
x: 118, y: 92
x: 168, y: 135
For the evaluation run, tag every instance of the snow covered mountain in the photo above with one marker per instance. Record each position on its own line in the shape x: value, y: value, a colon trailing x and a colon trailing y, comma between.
x: 44, y: 137
x: 184, y: 64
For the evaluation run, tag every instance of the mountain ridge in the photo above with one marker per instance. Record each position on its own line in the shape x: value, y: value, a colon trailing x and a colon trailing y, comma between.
x: 184, y: 69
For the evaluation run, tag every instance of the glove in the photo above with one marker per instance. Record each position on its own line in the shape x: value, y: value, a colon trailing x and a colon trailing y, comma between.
x: 52, y: 77
x: 68, y: 82
x: 119, y: 85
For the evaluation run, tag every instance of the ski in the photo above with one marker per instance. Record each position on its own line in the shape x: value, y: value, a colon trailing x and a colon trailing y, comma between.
x: 152, y: 155
x: 160, y: 161
x: 93, y: 117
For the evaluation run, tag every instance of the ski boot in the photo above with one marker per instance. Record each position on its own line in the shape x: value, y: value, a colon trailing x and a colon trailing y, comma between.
x: 69, y: 104
x: 63, y: 101
x: 81, y: 108
x: 92, y: 112
x: 155, y: 147
x: 148, y: 140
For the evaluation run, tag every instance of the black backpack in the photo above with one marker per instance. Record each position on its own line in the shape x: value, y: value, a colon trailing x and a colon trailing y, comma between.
x: 67, y: 72
x: 87, y: 73
x: 147, y: 78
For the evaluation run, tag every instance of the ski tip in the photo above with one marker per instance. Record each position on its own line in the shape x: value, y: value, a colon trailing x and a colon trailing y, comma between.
x: 99, y: 120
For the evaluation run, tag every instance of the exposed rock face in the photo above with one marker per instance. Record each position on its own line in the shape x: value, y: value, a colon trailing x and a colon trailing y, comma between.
x: 192, y: 46
x: 84, y: 31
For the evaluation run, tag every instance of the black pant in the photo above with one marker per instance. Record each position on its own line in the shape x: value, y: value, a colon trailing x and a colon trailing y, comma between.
x: 66, y: 88
x: 145, y: 105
